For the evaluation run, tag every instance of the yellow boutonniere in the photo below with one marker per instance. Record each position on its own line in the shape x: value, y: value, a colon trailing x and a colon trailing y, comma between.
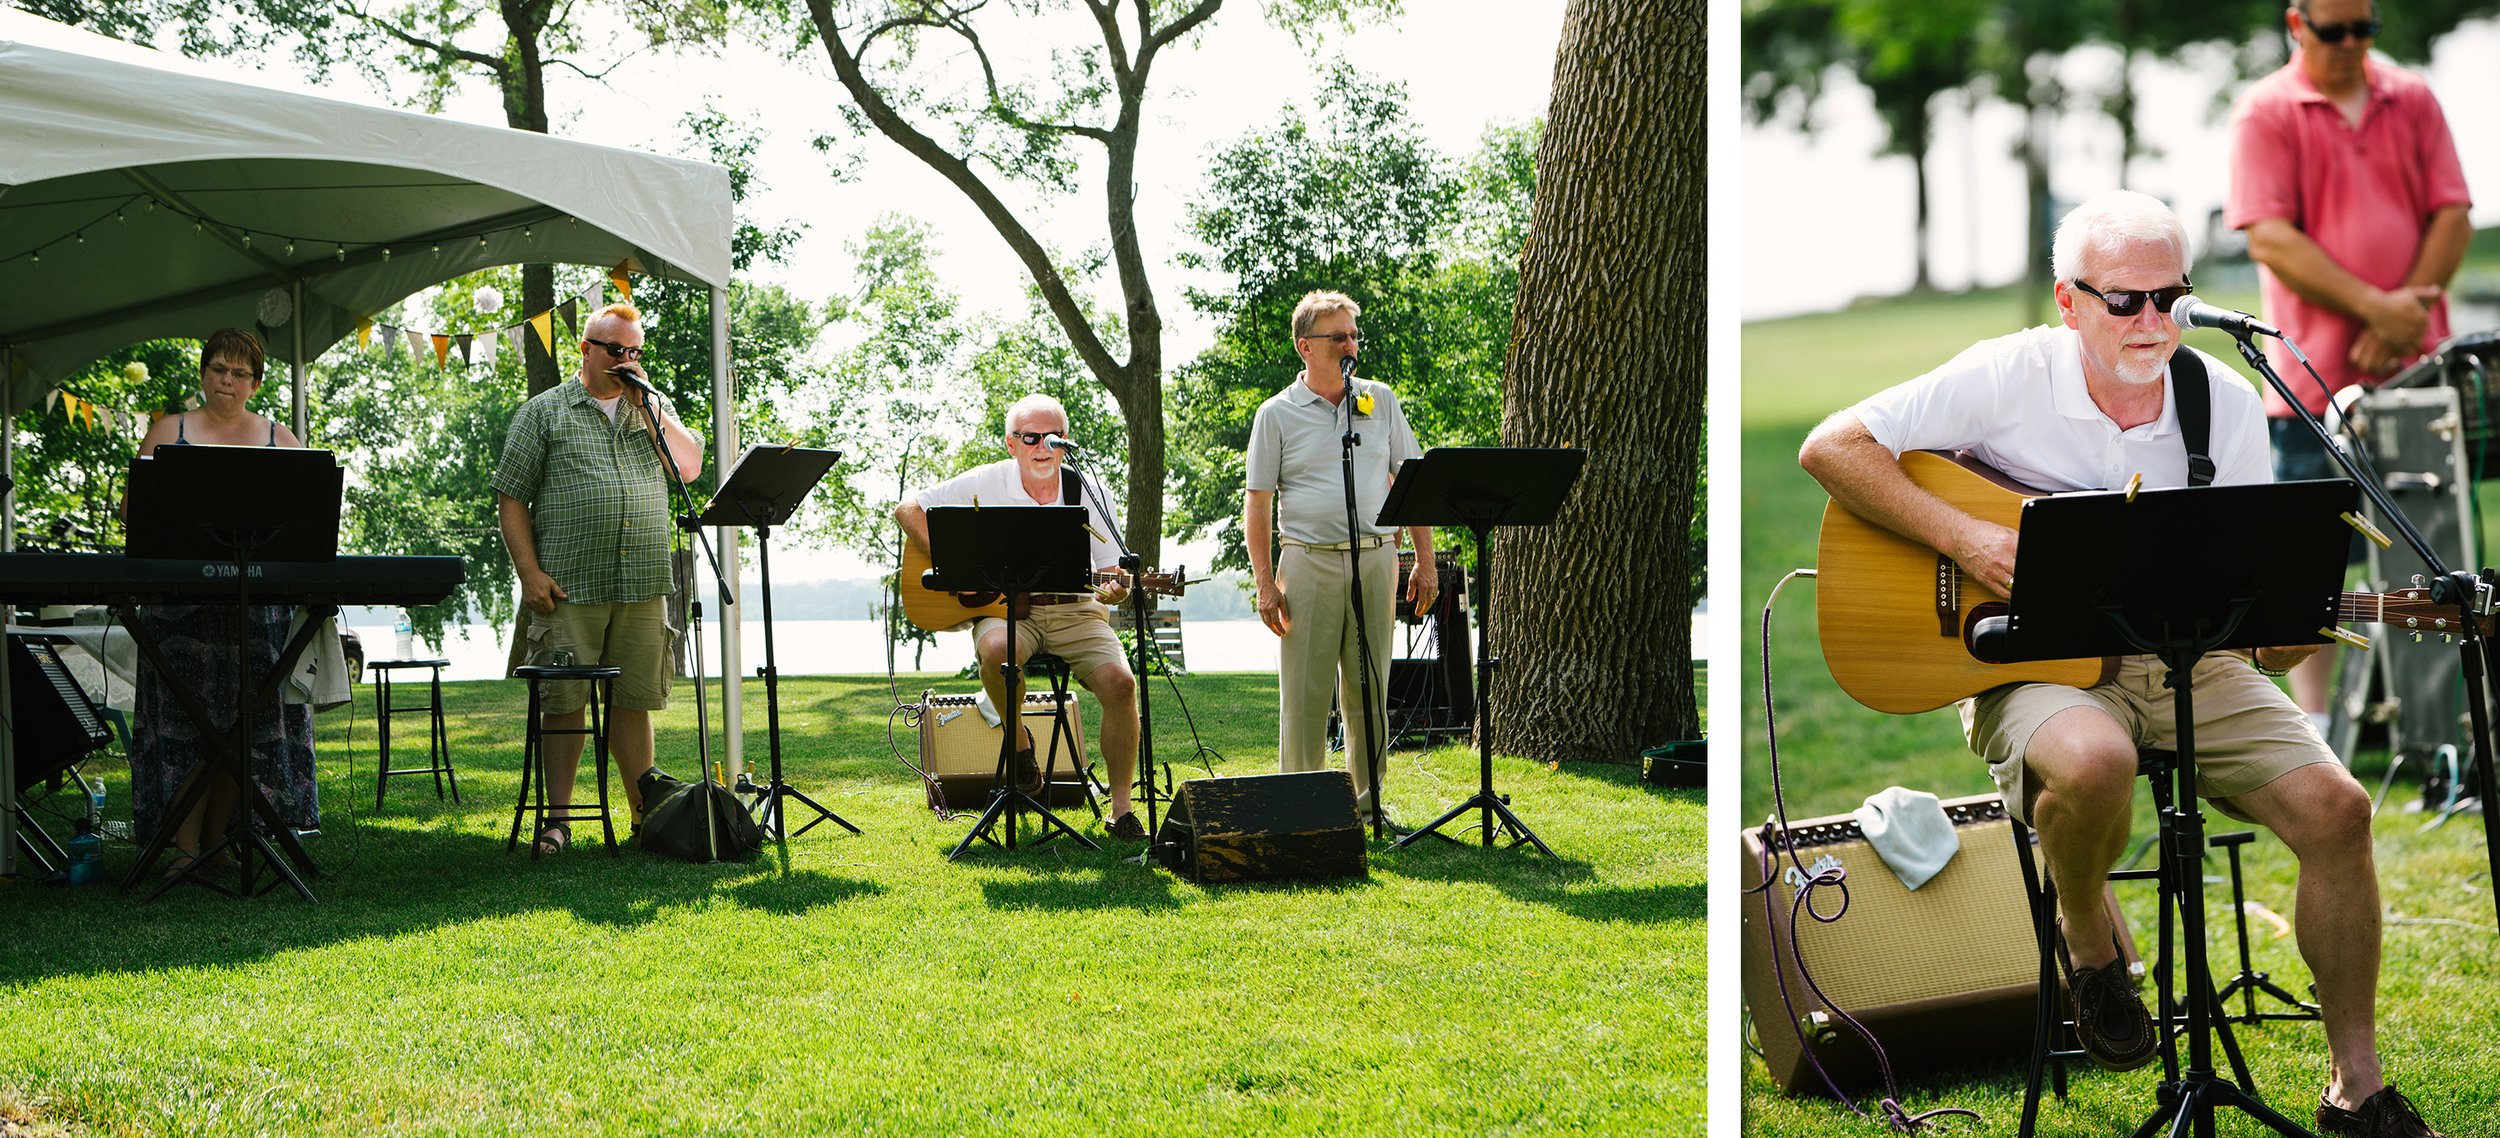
x: 1363, y: 403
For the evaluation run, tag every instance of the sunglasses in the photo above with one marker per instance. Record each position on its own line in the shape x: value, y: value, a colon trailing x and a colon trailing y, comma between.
x: 1343, y: 339
x: 1031, y: 438
x: 2335, y: 33
x: 2123, y: 302
x: 620, y: 351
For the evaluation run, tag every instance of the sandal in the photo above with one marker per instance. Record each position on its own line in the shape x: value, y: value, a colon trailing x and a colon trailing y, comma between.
x: 555, y: 839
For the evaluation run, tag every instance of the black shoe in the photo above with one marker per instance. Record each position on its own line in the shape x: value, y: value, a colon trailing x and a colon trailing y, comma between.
x: 1127, y: 828
x: 1028, y: 772
x: 2386, y: 1114
x: 2110, y: 1020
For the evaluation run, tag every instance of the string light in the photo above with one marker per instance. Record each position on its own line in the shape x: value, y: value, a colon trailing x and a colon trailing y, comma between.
x: 386, y: 252
x: 290, y: 248
x: 438, y: 249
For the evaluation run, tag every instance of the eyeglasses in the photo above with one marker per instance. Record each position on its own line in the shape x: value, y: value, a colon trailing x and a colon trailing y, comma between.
x: 620, y: 351
x: 2335, y: 33
x: 1031, y: 438
x: 241, y: 373
x: 2125, y: 302
x: 1343, y: 339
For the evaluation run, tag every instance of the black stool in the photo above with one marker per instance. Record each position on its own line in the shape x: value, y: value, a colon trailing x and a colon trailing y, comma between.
x: 2053, y: 1044
x: 602, y: 679
x: 438, y: 741
x: 1056, y: 668
x: 2250, y: 981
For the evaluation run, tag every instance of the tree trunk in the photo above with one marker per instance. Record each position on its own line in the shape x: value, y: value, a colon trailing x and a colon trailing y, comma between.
x: 523, y: 80
x: 1591, y: 616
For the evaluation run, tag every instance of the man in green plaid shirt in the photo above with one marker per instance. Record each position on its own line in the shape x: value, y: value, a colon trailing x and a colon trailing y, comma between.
x: 583, y: 502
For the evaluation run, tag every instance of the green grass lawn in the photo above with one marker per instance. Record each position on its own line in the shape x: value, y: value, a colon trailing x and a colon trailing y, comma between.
x: 2441, y: 979
x: 442, y: 985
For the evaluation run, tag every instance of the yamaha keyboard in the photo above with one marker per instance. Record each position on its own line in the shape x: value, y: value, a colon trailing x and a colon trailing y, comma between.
x: 29, y: 579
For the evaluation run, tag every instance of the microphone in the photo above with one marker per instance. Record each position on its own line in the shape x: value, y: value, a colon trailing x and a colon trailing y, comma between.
x: 633, y: 379
x: 1059, y: 443
x: 2189, y: 312
x: 1345, y: 367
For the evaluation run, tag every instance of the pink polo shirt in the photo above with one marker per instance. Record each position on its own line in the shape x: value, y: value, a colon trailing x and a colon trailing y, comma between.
x: 2364, y: 194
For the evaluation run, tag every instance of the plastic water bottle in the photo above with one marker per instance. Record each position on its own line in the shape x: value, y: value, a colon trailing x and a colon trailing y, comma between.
x: 95, y: 804
x: 86, y: 855
x: 406, y: 630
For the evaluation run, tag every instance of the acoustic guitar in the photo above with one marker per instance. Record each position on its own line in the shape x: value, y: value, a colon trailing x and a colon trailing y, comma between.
x: 1896, y: 617
x: 938, y: 611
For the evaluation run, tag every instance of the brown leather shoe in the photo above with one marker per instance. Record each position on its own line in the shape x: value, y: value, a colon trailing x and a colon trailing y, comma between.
x: 2387, y: 1114
x: 1028, y: 772
x: 1127, y: 828
x: 2110, y: 1020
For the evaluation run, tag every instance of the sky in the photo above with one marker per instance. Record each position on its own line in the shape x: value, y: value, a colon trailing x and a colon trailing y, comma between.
x: 1466, y: 65
x: 1825, y: 222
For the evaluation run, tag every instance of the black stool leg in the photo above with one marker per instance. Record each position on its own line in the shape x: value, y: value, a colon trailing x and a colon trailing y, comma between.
x: 601, y: 692
x: 529, y: 766
x: 381, y: 733
x: 442, y: 744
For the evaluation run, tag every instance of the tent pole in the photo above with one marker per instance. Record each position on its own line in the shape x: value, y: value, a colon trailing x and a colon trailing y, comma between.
x: 725, y: 450
x: 8, y: 500
x: 296, y: 324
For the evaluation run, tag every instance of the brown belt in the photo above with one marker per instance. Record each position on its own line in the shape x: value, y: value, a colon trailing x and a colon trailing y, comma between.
x: 1058, y: 598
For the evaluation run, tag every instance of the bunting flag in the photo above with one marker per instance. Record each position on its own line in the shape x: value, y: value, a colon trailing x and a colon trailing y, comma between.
x: 572, y: 310
x: 617, y: 277
x: 442, y: 349
x: 390, y: 343
x: 50, y: 398
x: 519, y: 335
x: 364, y: 332
x: 593, y: 299
x: 417, y: 341
x: 464, y: 340
x: 486, y: 342
x: 544, y: 325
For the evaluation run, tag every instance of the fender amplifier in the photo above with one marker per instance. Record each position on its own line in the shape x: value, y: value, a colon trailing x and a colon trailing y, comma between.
x: 959, y: 750
x: 1943, y: 975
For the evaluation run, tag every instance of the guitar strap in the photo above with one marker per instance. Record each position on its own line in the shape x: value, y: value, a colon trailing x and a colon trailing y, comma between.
x: 1072, y: 489
x: 2192, y: 395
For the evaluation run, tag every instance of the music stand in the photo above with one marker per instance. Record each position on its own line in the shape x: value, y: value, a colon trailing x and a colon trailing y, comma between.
x: 1480, y: 488
x: 1011, y: 551
x: 238, y: 504
x: 2176, y: 574
x: 761, y: 492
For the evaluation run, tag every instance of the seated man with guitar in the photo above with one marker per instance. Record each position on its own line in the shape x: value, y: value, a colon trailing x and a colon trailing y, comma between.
x: 1073, y: 626
x: 2087, y: 406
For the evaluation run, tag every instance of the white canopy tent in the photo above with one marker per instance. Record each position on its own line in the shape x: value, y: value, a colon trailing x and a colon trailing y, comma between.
x: 144, y: 196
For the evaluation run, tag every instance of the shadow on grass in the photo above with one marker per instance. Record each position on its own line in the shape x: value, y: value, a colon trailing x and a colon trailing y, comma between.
x: 799, y: 893
x: 1558, y: 883
x: 375, y: 881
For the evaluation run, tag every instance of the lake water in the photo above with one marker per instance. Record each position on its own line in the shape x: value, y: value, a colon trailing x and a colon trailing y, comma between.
x: 857, y: 647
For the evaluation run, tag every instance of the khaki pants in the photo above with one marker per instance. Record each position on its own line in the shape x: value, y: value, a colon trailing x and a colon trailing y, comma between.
x: 1319, y: 656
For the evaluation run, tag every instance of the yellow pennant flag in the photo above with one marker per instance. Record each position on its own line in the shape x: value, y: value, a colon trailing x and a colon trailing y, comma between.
x: 616, y: 276
x: 364, y: 332
x: 86, y: 411
x: 544, y: 325
x: 442, y: 345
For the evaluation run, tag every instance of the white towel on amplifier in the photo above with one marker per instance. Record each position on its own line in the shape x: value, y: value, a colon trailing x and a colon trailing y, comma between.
x: 1910, y: 831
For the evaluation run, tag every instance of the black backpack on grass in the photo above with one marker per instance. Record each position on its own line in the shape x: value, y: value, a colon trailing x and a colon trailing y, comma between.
x: 675, y: 821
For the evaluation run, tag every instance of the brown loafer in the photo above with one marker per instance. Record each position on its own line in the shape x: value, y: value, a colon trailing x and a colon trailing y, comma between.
x: 1028, y: 772
x: 1127, y: 828
x: 2110, y: 1021
x: 2386, y: 1114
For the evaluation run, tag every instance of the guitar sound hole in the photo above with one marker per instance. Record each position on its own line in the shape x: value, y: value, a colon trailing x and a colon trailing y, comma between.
x: 1982, y: 628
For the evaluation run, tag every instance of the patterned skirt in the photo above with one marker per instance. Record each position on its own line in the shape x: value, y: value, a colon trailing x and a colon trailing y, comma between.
x: 199, y: 643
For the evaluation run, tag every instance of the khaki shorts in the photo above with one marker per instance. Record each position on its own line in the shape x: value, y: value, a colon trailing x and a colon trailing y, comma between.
x: 2248, y: 733
x: 1078, y: 633
x: 633, y: 637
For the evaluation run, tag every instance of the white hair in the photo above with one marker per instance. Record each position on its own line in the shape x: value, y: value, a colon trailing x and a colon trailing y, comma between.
x: 1034, y: 402
x: 2109, y: 222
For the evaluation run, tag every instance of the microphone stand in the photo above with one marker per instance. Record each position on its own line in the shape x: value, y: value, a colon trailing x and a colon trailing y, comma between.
x: 2471, y: 595
x: 1362, y: 617
x: 694, y: 608
x: 1143, y: 779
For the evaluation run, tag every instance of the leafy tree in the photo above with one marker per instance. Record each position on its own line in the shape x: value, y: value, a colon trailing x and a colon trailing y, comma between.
x: 1603, y: 669
x: 925, y: 75
x: 1350, y: 199
x: 72, y: 467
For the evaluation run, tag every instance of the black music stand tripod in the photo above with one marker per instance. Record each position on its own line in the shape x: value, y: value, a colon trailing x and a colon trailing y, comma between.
x: 2241, y: 567
x: 1480, y: 488
x: 1012, y: 551
x: 184, y: 505
x: 761, y: 492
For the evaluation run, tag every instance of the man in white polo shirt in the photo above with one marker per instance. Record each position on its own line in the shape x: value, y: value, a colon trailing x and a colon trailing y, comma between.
x: 1296, y: 482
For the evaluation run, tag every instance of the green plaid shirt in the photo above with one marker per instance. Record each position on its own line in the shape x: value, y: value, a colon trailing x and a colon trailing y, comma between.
x: 597, y: 495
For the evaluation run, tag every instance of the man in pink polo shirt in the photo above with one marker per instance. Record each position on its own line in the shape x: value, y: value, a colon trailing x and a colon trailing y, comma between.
x: 2345, y: 178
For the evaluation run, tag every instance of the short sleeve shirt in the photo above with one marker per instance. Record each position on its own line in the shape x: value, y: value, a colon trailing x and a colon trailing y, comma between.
x: 2019, y: 403
x: 2364, y: 193
x: 1295, y: 451
x: 1001, y: 484
x: 596, y: 492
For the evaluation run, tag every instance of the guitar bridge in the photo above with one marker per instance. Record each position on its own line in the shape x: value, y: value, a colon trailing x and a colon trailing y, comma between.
x: 1948, y: 597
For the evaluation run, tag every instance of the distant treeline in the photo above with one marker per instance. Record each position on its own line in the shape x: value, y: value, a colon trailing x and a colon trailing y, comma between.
x: 1224, y: 598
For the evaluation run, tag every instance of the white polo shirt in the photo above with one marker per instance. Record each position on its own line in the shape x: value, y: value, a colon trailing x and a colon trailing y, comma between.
x: 999, y: 484
x: 1295, y: 450
x: 2019, y: 404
